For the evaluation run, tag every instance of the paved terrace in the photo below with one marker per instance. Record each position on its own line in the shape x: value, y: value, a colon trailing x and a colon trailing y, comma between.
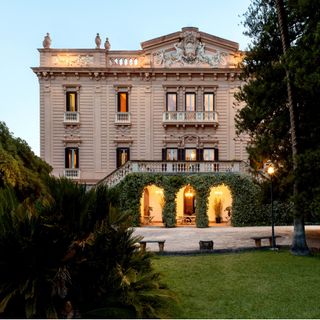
x: 186, y: 239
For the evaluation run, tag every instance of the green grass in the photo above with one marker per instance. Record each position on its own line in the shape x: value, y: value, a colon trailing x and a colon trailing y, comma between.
x: 262, y: 284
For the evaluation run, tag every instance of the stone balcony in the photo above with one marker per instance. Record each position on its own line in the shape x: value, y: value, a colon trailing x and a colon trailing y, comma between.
x: 194, y: 118
x: 123, y: 118
x: 72, y: 173
x: 71, y: 117
x: 173, y: 167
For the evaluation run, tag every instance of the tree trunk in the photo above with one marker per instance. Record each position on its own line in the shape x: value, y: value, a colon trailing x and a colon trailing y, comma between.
x: 299, y: 244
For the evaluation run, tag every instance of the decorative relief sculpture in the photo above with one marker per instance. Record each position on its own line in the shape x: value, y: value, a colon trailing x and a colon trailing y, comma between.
x: 72, y: 60
x: 47, y: 41
x: 98, y: 41
x: 190, y: 51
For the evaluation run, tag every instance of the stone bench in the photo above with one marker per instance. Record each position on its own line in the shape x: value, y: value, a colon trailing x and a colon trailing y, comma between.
x: 143, y: 244
x: 258, y: 239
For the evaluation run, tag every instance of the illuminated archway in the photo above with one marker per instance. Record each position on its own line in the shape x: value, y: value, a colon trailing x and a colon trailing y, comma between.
x: 186, y: 205
x: 219, y: 204
x: 151, y: 205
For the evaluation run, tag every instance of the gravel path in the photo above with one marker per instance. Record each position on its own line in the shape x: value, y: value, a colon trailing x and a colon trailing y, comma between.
x: 225, y: 238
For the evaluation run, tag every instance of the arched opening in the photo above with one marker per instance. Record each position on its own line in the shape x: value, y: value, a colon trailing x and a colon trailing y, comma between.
x: 219, y: 208
x: 186, y: 205
x: 151, y: 205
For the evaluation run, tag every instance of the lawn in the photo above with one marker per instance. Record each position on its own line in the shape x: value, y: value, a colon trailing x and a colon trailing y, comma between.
x: 262, y: 284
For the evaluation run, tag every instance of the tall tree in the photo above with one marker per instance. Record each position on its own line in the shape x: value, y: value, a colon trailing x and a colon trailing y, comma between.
x: 299, y: 245
x: 20, y: 168
x: 283, y: 127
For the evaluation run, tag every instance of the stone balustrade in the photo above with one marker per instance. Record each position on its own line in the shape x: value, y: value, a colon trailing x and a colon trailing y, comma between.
x: 72, y: 173
x: 173, y: 167
x: 124, y: 61
x: 185, y: 117
x: 71, y: 117
x: 123, y: 118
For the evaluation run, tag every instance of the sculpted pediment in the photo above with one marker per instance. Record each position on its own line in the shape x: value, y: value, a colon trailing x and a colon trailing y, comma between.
x: 191, y: 48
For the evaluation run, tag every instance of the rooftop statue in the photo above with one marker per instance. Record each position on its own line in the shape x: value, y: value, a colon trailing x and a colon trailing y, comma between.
x: 47, y: 41
x: 98, y: 41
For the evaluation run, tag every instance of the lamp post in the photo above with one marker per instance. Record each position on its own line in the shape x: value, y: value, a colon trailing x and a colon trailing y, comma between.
x: 270, y: 173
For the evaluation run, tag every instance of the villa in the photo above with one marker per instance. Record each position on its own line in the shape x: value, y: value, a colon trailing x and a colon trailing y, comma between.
x: 165, y: 113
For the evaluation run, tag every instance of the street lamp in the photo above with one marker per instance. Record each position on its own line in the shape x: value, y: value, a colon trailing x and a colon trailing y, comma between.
x: 270, y: 173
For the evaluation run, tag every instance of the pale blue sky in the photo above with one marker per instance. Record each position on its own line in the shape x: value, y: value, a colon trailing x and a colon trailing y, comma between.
x: 74, y: 24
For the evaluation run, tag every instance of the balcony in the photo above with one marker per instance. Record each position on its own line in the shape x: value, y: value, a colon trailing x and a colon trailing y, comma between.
x: 123, y: 118
x: 173, y: 167
x: 72, y: 173
x: 195, y: 118
x: 71, y: 117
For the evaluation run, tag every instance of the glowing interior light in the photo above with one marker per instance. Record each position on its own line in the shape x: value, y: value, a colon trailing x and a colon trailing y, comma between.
x: 271, y: 170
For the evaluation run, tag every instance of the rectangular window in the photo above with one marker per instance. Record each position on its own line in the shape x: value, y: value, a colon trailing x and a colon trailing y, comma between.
x: 71, y: 101
x: 123, y: 155
x: 190, y: 102
x: 191, y: 154
x: 71, y: 158
x: 171, y: 102
x: 208, y: 155
x: 172, y: 155
x: 123, y: 102
x: 208, y: 102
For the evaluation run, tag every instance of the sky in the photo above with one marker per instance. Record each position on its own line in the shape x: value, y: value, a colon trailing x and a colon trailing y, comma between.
x: 75, y: 23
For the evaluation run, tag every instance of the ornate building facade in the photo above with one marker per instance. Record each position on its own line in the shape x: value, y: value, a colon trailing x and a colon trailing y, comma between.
x: 168, y: 107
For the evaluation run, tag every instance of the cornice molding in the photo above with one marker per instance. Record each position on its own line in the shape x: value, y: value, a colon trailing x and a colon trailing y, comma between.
x: 229, y: 74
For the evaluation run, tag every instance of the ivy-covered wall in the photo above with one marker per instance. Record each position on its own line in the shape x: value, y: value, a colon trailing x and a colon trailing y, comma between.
x: 245, y: 207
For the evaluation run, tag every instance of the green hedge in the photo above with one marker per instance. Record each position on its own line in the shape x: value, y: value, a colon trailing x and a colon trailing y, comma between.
x: 283, y: 214
x: 246, y: 209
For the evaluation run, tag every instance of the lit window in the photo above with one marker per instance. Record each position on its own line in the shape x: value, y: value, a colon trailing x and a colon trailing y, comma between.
x: 123, y: 102
x: 191, y: 154
x: 72, y: 158
x: 172, y: 155
x: 190, y: 102
x: 171, y: 102
x: 208, y: 154
x: 208, y: 102
x: 71, y: 101
x: 123, y: 155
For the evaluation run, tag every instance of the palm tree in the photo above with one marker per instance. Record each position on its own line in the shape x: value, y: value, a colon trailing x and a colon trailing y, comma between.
x: 74, y: 250
x: 299, y: 245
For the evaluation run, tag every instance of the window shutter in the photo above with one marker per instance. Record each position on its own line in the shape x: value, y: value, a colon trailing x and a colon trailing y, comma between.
x: 77, y: 160
x: 216, y: 154
x: 164, y: 154
x: 128, y: 151
x: 199, y: 154
x: 76, y: 102
x: 181, y: 154
x: 127, y: 102
x: 118, y: 157
x: 66, y: 161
